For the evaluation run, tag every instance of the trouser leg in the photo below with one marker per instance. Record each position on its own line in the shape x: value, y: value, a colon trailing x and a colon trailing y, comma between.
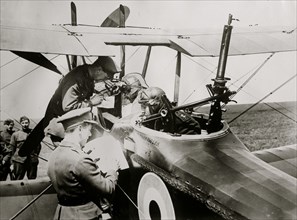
x: 32, y: 170
x: 5, y: 170
x: 19, y: 170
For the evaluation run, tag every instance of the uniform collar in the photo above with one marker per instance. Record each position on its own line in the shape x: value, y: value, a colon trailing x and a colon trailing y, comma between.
x: 70, y: 144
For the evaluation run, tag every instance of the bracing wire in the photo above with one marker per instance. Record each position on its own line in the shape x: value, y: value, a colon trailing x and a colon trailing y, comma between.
x: 269, y: 105
x: 49, y: 145
x: 9, y: 62
x: 131, y: 200
x: 40, y: 157
x: 25, y: 74
x: 210, y: 73
x: 31, y: 202
x: 254, y: 73
x: 270, y: 93
x: 128, y: 59
x: 275, y: 109
x: 249, y: 78
x: 257, y: 69
x: 19, y: 78
x: 288, y: 110
x: 204, y: 67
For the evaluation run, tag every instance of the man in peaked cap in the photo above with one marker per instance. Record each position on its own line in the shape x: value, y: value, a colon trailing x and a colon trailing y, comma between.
x: 76, y: 178
x: 75, y: 91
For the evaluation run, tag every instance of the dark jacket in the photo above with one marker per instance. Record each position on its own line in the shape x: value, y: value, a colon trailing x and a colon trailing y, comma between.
x: 6, y: 136
x: 73, y: 92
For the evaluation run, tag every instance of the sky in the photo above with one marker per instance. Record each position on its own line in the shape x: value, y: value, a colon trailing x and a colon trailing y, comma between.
x: 27, y: 88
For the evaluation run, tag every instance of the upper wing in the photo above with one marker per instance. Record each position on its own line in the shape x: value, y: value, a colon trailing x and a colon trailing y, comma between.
x: 283, y: 158
x: 94, y: 41
x: 53, y: 39
x: 251, y: 40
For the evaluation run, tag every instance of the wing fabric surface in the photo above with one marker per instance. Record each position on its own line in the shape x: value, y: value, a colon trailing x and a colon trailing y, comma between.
x: 283, y: 158
x: 51, y: 40
x: 243, y: 41
x: 202, y: 42
x: 93, y: 40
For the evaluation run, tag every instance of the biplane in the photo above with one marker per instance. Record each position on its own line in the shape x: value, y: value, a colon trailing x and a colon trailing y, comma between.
x: 212, y: 173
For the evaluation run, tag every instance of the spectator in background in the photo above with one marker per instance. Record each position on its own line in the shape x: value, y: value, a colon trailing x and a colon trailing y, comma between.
x: 5, y: 140
x: 27, y: 164
x: 4, y: 161
x: 8, y: 131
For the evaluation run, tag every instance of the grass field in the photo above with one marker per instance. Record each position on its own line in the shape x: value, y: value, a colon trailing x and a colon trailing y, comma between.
x: 263, y: 127
x: 260, y: 128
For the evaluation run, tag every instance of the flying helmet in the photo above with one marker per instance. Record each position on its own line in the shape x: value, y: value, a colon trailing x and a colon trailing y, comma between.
x: 134, y: 83
x: 151, y: 100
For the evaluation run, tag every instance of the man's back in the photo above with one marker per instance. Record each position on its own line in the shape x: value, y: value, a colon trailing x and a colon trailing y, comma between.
x: 73, y: 172
x: 84, y: 90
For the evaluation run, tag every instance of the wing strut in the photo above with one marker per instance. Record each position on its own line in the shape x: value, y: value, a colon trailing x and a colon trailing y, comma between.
x: 117, y: 19
x: 118, y: 98
x: 177, y: 77
x: 121, y: 18
x: 147, y: 58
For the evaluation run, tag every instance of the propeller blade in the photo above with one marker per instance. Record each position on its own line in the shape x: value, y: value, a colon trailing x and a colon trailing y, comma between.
x: 113, y: 20
x: 38, y: 59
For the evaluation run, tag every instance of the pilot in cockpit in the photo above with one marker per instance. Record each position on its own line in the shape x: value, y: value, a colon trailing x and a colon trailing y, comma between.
x: 151, y: 102
x: 147, y: 101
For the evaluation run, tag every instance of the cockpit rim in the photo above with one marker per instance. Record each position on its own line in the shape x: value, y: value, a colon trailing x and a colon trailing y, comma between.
x: 204, y: 136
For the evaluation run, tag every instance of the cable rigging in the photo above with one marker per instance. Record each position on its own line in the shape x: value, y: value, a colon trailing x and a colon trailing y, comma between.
x: 25, y: 74
x: 9, y: 62
x: 270, y: 93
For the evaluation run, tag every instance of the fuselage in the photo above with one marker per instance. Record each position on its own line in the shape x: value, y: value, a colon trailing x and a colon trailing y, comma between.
x: 221, y: 172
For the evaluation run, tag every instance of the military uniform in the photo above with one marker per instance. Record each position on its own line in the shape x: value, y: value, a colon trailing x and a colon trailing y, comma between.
x: 79, y: 183
x: 21, y: 165
x: 5, y: 136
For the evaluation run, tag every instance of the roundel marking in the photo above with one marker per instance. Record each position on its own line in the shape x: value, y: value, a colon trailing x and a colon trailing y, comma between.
x: 153, y: 198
